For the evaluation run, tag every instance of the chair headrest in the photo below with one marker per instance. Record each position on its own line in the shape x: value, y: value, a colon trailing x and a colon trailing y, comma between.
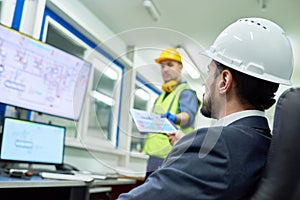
x: 282, y: 175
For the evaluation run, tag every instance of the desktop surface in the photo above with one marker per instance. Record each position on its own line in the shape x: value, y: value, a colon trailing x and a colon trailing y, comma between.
x: 37, y: 188
x: 36, y: 181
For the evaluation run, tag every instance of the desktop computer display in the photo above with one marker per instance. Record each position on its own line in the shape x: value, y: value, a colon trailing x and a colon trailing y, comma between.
x: 39, y: 77
x: 32, y: 142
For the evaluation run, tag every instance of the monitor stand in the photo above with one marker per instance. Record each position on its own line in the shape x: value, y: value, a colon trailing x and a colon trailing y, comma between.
x: 66, y: 167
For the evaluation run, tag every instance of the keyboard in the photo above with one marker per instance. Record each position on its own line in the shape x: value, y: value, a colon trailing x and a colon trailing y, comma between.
x: 57, y: 176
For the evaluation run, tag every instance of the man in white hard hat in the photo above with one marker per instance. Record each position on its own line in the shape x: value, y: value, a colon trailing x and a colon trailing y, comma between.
x: 250, y: 58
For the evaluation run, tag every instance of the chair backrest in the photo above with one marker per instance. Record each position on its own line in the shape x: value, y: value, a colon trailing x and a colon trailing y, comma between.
x: 281, y: 180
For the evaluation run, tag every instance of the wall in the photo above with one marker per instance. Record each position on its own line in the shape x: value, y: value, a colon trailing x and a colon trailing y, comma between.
x: 31, y: 14
x: 100, y: 160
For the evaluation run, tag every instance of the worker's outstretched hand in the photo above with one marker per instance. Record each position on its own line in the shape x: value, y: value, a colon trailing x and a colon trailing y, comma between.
x: 170, y: 116
x: 175, y: 137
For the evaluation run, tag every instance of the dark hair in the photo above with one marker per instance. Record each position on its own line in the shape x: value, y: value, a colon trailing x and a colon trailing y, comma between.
x: 257, y: 92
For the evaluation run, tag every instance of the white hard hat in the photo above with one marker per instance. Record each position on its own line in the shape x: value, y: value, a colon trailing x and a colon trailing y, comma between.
x: 257, y: 47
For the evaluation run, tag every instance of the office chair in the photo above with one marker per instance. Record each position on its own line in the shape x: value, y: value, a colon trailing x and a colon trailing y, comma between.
x: 281, y: 180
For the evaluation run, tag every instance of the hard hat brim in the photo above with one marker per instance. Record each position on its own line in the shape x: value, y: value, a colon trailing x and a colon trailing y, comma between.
x: 159, y: 60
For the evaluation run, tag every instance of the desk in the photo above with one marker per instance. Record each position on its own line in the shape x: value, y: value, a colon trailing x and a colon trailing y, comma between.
x: 37, y: 188
x: 116, y: 186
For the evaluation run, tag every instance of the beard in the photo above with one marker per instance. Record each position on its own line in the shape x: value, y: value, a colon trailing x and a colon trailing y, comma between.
x: 208, y: 101
x: 206, y: 108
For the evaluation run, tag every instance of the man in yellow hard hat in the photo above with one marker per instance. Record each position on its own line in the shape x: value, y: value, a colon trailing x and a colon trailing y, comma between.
x: 178, y: 102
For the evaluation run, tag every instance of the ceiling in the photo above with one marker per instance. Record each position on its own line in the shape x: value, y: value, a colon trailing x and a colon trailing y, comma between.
x: 193, y: 24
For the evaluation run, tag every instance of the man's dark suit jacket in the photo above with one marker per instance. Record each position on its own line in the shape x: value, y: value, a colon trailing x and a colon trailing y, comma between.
x: 222, y: 163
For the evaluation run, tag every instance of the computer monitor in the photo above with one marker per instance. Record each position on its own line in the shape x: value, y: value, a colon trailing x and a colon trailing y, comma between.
x: 32, y: 142
x: 40, y: 77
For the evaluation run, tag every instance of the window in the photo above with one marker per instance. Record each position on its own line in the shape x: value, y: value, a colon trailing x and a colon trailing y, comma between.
x: 61, y: 40
x: 99, y: 118
x: 143, y: 100
x: 103, y: 100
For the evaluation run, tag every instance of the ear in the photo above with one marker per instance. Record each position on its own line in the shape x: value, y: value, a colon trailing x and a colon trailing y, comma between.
x: 226, y: 81
x: 180, y: 66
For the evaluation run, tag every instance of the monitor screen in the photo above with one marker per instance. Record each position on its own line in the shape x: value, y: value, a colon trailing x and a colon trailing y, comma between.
x: 39, y: 77
x: 32, y: 142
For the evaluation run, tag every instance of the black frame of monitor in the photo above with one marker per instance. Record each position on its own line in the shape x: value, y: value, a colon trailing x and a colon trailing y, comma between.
x: 42, y: 111
x: 57, y: 165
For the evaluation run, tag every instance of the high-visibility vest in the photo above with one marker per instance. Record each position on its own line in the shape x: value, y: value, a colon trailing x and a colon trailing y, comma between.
x: 158, y: 144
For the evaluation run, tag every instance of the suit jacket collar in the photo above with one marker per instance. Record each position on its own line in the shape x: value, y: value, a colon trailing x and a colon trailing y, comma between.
x: 238, y: 115
x: 256, y: 122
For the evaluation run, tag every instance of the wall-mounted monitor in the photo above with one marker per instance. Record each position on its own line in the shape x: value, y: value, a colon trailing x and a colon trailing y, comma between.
x: 32, y: 142
x: 39, y: 77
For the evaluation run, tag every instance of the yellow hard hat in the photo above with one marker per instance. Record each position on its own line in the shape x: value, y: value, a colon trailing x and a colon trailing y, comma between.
x: 169, y: 54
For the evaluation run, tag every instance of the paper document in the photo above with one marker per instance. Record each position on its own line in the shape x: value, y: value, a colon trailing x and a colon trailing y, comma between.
x: 150, y: 122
